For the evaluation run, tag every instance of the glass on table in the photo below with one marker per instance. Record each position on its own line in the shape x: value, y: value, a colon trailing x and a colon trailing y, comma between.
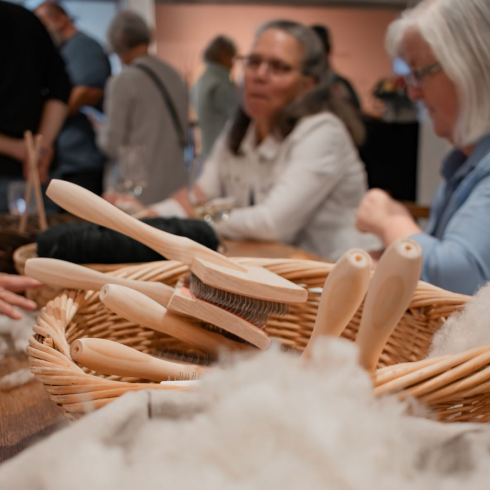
x: 16, y: 199
x: 213, y: 210
x: 133, y: 170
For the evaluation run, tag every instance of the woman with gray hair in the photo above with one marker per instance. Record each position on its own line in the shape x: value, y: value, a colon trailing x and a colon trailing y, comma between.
x: 146, y: 107
x: 446, y: 44
x: 288, y: 158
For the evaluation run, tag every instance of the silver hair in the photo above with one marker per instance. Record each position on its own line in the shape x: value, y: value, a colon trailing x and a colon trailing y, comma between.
x: 217, y: 47
x: 128, y: 30
x: 458, y: 32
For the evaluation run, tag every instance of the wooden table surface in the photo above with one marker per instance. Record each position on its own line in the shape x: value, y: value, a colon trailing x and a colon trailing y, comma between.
x: 28, y: 415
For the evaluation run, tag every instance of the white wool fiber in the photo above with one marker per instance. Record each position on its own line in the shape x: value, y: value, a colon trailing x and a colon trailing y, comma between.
x: 270, y: 421
x: 465, y: 330
x: 16, y: 379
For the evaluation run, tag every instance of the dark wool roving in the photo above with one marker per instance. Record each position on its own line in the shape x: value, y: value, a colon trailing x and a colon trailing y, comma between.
x: 86, y: 243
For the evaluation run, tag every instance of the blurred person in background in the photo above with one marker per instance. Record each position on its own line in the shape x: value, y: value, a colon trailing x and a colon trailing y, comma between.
x: 146, y: 107
x: 34, y: 90
x: 446, y: 45
x: 79, y: 159
x: 288, y: 159
x: 342, y: 87
x: 214, y: 96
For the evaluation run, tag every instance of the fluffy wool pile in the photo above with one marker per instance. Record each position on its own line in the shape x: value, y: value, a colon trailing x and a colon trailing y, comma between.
x: 17, y: 333
x: 271, y: 421
x: 465, y: 330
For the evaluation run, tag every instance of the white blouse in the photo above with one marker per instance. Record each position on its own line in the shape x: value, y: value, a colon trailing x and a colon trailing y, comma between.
x: 305, y: 189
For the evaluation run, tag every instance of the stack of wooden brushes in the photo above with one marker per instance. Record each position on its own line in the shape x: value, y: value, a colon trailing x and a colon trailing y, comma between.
x: 235, y: 299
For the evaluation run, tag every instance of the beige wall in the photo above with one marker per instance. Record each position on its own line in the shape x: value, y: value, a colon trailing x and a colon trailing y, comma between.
x: 358, y: 35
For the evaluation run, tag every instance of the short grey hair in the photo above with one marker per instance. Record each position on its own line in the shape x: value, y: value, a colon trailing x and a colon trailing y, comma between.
x: 217, y: 46
x: 128, y: 30
x: 458, y: 32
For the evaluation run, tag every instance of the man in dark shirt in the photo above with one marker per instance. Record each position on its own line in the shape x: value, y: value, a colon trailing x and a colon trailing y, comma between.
x: 88, y: 67
x: 34, y: 89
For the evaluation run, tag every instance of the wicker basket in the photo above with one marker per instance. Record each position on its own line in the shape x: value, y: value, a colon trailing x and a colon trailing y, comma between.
x: 45, y: 293
x: 77, y: 314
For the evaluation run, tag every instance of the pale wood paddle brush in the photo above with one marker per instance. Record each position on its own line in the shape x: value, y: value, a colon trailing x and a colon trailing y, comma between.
x: 389, y: 294
x: 138, y: 308
x: 219, y: 291
x: 108, y: 357
x: 343, y: 292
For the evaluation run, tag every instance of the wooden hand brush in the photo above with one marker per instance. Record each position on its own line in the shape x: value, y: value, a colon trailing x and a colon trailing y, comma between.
x: 61, y: 274
x: 112, y: 358
x: 234, y: 297
x: 343, y: 292
x: 138, y: 308
x: 389, y: 294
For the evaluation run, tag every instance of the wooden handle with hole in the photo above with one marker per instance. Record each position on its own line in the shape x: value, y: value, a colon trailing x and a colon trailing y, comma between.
x: 61, y: 274
x: 86, y: 205
x: 140, y: 309
x: 343, y: 292
x: 108, y: 357
x: 390, y: 292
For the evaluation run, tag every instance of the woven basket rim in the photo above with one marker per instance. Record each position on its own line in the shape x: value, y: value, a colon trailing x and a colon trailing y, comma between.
x: 105, y: 390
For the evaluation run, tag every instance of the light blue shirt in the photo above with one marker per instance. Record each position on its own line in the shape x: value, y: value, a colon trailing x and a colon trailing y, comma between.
x: 456, y: 243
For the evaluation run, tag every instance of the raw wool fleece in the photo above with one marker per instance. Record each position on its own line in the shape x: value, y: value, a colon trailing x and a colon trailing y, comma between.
x: 465, y: 330
x: 18, y: 332
x: 270, y: 421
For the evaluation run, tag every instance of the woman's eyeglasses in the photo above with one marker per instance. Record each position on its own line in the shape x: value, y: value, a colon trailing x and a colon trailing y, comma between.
x: 275, y: 67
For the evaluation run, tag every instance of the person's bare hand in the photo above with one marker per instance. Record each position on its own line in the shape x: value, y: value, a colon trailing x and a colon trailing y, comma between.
x: 11, y: 284
x: 377, y: 210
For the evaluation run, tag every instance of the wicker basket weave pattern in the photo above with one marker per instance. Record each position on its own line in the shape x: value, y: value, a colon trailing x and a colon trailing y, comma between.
x: 79, y: 314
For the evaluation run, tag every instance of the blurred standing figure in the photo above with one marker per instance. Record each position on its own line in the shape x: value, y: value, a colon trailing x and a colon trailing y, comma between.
x: 34, y: 89
x: 340, y: 85
x: 214, y: 96
x: 146, y: 106
x: 88, y: 67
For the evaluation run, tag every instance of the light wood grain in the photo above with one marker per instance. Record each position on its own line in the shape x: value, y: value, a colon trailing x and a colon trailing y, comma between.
x: 140, y: 309
x: 343, y: 293
x: 108, y: 357
x: 86, y: 205
x: 389, y: 294
x: 62, y: 274
x: 182, y: 302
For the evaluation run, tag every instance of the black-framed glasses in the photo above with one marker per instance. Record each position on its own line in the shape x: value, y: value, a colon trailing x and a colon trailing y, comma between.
x: 276, y: 67
x: 415, y: 76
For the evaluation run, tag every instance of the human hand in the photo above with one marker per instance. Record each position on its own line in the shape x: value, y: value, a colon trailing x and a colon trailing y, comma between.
x: 11, y: 284
x: 378, y: 211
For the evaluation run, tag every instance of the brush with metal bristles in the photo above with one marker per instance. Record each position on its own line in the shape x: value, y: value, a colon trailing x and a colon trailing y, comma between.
x: 245, y: 283
x: 255, y: 311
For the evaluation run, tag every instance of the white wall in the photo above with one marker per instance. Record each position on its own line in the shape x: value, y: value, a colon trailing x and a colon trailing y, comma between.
x: 432, y: 151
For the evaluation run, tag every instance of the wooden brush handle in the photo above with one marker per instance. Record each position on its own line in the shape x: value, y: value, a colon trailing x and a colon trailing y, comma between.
x: 343, y: 292
x: 389, y: 294
x: 61, y: 274
x: 140, y: 309
x: 86, y: 205
x: 108, y: 357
